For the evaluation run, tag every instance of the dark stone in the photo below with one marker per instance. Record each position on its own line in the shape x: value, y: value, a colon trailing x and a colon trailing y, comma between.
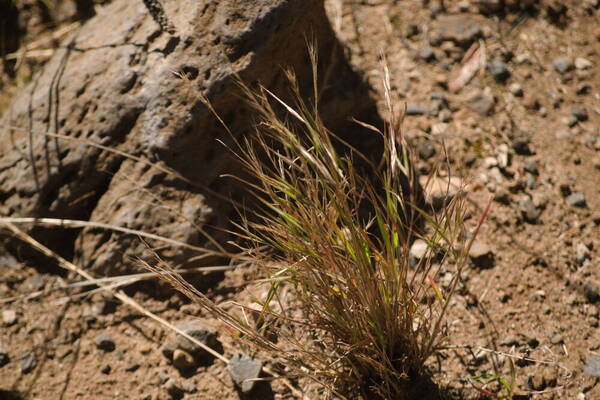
x: 242, y: 370
x: 105, y: 342
x: 521, y: 146
x: 106, y: 368
x: 591, y: 293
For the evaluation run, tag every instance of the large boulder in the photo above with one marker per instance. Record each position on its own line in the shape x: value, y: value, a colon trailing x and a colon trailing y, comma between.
x: 122, y: 83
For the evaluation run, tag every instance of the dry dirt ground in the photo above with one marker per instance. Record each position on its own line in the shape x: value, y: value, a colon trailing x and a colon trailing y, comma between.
x: 523, y: 131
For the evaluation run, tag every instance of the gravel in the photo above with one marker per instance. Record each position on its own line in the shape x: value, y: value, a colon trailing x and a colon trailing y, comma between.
x: 9, y: 317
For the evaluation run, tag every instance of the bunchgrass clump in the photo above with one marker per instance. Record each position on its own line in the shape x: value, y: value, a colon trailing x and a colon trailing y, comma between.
x: 338, y: 228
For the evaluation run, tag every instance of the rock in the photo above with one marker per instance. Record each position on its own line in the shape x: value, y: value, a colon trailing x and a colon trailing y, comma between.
x: 582, y: 253
x: 28, y: 363
x: 174, y: 389
x: 515, y: 89
x: 417, y: 251
x: 591, y: 293
x: 576, y: 199
x: 481, y: 255
x: 182, y: 360
x: 426, y: 54
x: 198, y: 331
x: 9, y: 317
x: 105, y: 342
x: 562, y: 65
x: 481, y: 101
x: 132, y: 98
x: 592, y: 366
x: 582, y: 63
x: 532, y: 168
x: 413, y: 109
x: 570, y: 121
x: 426, y: 150
x: 4, y: 357
x: 499, y: 70
x: 528, y: 210
x: 460, y: 29
x: 105, y: 369
x: 580, y: 113
x: 440, y: 190
x: 242, y: 370
x: 521, y: 146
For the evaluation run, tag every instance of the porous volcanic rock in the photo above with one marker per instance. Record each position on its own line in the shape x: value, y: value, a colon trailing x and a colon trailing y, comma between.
x: 121, y: 83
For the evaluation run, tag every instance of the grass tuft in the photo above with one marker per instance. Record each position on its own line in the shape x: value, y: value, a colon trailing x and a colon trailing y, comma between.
x: 340, y: 235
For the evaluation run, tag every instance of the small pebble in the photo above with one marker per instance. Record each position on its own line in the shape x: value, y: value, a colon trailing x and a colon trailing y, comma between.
x: 105, y: 342
x: 427, y: 54
x: 582, y: 63
x: 576, y: 199
x: 105, y: 369
x: 562, y: 65
x: 417, y: 251
x: 9, y: 317
x: 413, y: 109
x: 499, y: 70
x: 528, y: 210
x: 580, y: 113
x: 515, y: 89
x: 582, y: 253
x: 481, y: 255
x: 28, y: 363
